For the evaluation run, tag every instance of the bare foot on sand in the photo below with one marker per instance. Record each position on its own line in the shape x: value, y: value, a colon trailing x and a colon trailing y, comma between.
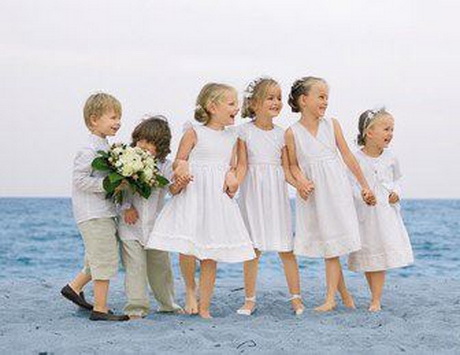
x: 375, y: 306
x: 348, y: 302
x: 191, y: 303
x: 326, y: 306
x: 297, y: 306
x: 134, y: 317
x: 247, y: 309
x: 205, y: 315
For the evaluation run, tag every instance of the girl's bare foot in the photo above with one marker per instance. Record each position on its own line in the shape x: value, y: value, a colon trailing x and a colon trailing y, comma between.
x: 326, y: 306
x: 375, y: 306
x: 248, y: 307
x: 134, y: 317
x: 297, y: 305
x: 348, y: 302
x: 205, y: 315
x: 191, y: 303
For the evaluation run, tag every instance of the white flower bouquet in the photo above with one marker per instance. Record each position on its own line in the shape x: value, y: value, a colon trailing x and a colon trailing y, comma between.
x: 128, y: 167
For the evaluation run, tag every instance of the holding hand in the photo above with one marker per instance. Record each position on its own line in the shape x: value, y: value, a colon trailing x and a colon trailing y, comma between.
x: 130, y: 215
x: 393, y: 198
x: 181, y: 170
x: 368, y: 197
x: 305, y: 188
x: 231, y: 184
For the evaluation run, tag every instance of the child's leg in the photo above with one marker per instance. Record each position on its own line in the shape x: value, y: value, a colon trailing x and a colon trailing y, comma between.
x: 101, y: 291
x: 376, y: 282
x: 345, y: 294
x: 102, y: 252
x: 250, y: 269
x: 80, y: 281
x: 333, y: 271
x: 160, y: 276
x: 134, y: 260
x: 188, y: 268
x: 207, y: 281
x: 291, y: 271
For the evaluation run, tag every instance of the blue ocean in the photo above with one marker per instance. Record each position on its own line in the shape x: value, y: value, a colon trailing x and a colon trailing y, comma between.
x: 39, y: 240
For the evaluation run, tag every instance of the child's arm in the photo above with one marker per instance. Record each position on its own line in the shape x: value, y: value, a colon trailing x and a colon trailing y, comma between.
x: 352, y: 164
x: 395, y: 195
x: 289, y: 177
x: 82, y: 171
x: 180, y: 166
x: 242, y: 161
x: 304, y: 186
x: 231, y: 182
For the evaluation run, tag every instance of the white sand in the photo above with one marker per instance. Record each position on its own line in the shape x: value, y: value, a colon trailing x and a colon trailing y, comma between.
x: 419, y: 316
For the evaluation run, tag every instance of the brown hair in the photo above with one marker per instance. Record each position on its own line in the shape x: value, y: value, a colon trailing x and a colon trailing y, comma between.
x: 256, y: 92
x: 154, y: 129
x: 210, y: 93
x: 302, y: 87
x: 98, y: 104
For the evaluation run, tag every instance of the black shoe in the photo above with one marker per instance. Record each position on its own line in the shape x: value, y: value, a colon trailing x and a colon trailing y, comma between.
x: 78, y: 299
x: 95, y: 315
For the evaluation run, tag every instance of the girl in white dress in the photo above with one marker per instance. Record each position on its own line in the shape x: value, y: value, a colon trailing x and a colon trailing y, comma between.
x: 203, y: 222
x: 384, y: 239
x: 326, y: 221
x: 264, y: 200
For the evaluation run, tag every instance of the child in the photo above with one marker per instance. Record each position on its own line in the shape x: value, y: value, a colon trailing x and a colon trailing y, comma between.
x: 153, y: 135
x: 94, y: 214
x: 264, y: 200
x: 385, y: 242
x: 326, y: 220
x: 203, y: 222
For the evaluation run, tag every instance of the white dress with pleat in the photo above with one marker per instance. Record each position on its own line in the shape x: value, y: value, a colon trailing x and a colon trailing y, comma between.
x: 326, y: 224
x: 384, y: 238
x: 263, y: 199
x: 203, y: 220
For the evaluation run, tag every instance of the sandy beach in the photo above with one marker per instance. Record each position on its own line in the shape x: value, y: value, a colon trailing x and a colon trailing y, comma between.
x: 420, y: 316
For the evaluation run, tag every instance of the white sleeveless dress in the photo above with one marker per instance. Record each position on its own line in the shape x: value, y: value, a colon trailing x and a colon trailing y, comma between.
x: 203, y: 220
x: 263, y: 199
x: 326, y: 224
x: 384, y: 237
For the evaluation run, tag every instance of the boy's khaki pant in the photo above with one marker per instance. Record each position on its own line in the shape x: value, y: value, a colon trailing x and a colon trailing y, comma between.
x: 142, y: 265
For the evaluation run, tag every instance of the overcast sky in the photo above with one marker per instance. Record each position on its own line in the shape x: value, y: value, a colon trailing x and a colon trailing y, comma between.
x: 154, y: 56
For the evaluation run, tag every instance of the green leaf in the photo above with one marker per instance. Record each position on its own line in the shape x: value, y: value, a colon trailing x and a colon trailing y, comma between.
x: 103, y: 153
x: 115, y: 177
x: 108, y: 186
x: 162, y: 181
x: 100, y: 164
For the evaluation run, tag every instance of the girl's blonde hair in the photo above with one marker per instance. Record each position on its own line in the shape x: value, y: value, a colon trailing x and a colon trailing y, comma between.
x: 98, y: 104
x: 300, y: 87
x: 255, y: 93
x: 210, y: 93
x: 366, y: 120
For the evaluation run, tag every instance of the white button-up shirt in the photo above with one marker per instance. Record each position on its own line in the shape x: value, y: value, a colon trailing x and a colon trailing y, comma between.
x: 147, y: 209
x: 88, y: 195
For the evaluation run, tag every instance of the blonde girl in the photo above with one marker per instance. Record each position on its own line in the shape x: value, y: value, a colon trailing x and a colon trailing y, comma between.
x: 203, y: 222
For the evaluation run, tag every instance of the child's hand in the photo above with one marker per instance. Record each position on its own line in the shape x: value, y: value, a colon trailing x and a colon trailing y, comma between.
x: 393, y: 198
x: 368, y: 197
x: 305, y: 188
x: 183, y: 181
x: 124, y: 185
x: 130, y: 215
x: 231, y: 184
x: 182, y: 170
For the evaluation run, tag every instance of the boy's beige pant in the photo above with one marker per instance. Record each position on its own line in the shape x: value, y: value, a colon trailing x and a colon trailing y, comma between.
x: 141, y: 266
x: 101, y: 248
